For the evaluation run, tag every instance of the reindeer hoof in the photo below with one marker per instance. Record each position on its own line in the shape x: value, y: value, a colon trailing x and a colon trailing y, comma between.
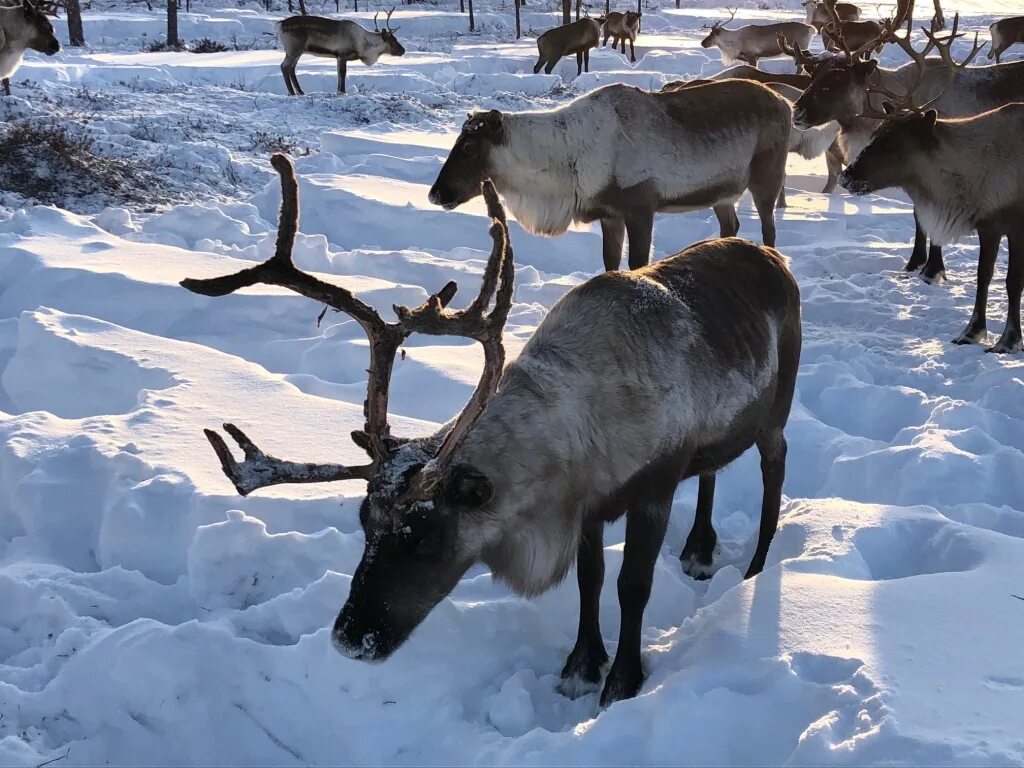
x: 1007, y: 345
x: 971, y: 335
x: 624, y: 682
x: 936, y: 277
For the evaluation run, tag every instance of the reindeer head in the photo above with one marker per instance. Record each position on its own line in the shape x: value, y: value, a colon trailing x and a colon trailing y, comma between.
x: 468, y: 163
x: 387, y: 34
x: 838, y: 91
x: 715, y: 30
x: 425, y: 514
x: 908, y: 130
x: 42, y: 38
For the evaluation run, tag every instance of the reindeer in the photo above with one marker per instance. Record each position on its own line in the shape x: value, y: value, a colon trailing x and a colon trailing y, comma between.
x: 633, y: 382
x: 342, y: 40
x: 808, y: 144
x: 851, y: 92
x: 621, y: 27
x: 963, y: 174
x: 854, y: 34
x: 818, y: 14
x: 1004, y: 33
x: 578, y: 37
x: 22, y: 27
x: 754, y: 42
x: 620, y: 154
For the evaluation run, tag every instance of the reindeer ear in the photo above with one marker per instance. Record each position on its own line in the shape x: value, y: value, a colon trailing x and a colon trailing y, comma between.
x: 468, y: 487
x: 362, y: 439
x: 930, y: 117
x: 888, y: 108
x: 493, y: 120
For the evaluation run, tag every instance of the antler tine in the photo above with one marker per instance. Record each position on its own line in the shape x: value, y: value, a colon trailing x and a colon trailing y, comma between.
x: 259, y: 469
x: 953, y: 69
x: 376, y: 28
x: 472, y: 322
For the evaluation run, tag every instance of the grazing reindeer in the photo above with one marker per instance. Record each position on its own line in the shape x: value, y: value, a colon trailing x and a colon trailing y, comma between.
x: 631, y: 383
x: 578, y: 37
x: 620, y: 154
x: 1004, y: 33
x: 754, y: 42
x: 963, y: 174
x: 342, y: 40
x: 22, y: 27
x: 818, y: 14
x: 852, y: 91
x: 621, y: 27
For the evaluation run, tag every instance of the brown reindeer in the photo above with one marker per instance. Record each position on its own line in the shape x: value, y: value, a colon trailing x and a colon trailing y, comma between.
x: 578, y: 37
x: 852, y: 92
x: 963, y: 174
x: 22, y: 27
x: 631, y: 383
x: 853, y: 35
x: 621, y: 27
x: 342, y: 40
x: 1004, y: 33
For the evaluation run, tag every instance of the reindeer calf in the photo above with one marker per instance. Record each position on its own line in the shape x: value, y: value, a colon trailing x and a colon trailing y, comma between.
x: 578, y: 37
x: 621, y: 27
x: 342, y: 40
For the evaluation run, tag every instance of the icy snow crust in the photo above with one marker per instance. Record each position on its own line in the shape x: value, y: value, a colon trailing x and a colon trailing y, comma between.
x: 150, y: 616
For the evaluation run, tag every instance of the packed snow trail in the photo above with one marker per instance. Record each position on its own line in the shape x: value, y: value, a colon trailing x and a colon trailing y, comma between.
x: 148, y: 615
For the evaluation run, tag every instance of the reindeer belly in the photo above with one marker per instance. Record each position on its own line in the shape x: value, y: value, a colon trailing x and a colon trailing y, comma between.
x: 717, y: 193
x: 10, y: 60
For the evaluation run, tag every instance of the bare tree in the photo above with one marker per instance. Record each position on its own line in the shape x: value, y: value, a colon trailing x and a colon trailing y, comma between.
x: 566, y: 11
x: 472, y: 23
x: 172, y: 24
x: 519, y: 26
x: 76, y: 34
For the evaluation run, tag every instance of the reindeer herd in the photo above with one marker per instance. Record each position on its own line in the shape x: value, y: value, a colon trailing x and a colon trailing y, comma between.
x: 639, y: 379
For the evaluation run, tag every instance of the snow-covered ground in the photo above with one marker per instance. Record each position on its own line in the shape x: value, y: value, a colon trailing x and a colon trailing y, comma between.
x: 148, y: 615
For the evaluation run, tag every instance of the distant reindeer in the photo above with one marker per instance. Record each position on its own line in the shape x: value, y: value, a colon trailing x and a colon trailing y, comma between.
x: 851, y: 92
x: 621, y: 27
x: 964, y: 175
x: 632, y: 383
x: 1004, y: 33
x: 756, y: 41
x: 22, y: 27
x: 342, y: 40
x: 620, y: 154
x: 818, y: 14
x: 578, y: 37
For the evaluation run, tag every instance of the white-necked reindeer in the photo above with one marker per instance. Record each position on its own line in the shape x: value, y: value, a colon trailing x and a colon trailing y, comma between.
x: 755, y: 41
x: 22, y: 27
x: 631, y: 383
x: 620, y: 154
x: 342, y: 40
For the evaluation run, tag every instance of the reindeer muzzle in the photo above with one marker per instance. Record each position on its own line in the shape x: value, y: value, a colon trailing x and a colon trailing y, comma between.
x: 857, y: 186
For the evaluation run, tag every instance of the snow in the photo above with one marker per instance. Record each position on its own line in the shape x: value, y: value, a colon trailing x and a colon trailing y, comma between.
x: 151, y: 616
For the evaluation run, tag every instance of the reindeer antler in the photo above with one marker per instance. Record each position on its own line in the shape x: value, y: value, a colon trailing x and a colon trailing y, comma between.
x: 259, y: 469
x: 721, y: 24
x: 903, y: 104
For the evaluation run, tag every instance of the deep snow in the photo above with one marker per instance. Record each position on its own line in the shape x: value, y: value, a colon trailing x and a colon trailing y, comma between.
x: 150, y: 616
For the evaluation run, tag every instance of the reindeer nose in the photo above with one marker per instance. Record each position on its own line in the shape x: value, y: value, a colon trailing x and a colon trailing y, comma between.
x: 800, y: 118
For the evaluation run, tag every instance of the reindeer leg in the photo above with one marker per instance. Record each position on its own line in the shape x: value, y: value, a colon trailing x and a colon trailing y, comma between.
x: 582, y: 671
x: 1010, y: 341
x: 767, y: 179
x: 613, y: 233
x: 772, y: 446
x: 606, y: 36
x: 342, y: 71
x: 728, y: 221
x: 934, y: 268
x: 640, y: 231
x: 988, y: 248
x: 781, y: 201
x: 834, y: 164
x: 622, y: 42
x: 645, y: 532
x: 586, y: 60
x: 918, y: 256
x: 539, y: 64
x: 579, y: 63
x: 632, y: 51
x: 7, y: 86
x: 699, y: 550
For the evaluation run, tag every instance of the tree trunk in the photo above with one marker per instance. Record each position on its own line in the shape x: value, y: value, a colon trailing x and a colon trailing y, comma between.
x: 302, y: 7
x: 639, y: 10
x: 938, y: 20
x: 578, y: 4
x: 519, y: 28
x: 76, y: 35
x: 472, y: 24
x: 172, y: 24
x: 566, y: 11
x: 462, y: 6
